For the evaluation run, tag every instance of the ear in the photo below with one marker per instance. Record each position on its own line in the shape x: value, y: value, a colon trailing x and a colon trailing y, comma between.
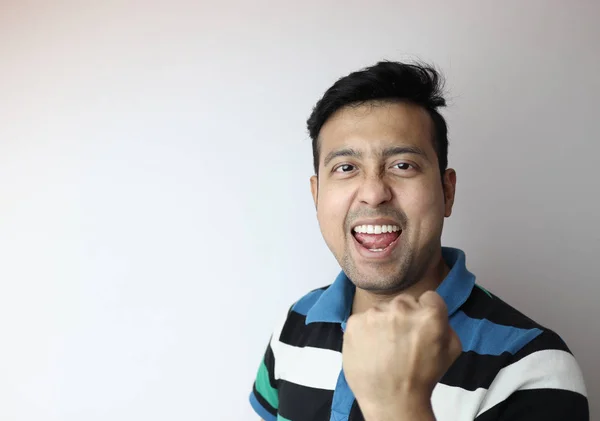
x: 449, y: 181
x: 314, y: 189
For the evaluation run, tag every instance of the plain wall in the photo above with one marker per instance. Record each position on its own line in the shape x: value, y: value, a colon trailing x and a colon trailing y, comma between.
x: 155, y: 215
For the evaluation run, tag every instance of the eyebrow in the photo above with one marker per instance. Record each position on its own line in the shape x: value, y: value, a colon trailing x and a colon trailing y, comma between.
x: 387, y: 153
x: 341, y: 152
x: 403, y: 150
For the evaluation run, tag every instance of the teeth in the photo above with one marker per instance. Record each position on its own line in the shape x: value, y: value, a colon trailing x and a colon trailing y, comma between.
x: 375, y: 249
x: 376, y: 229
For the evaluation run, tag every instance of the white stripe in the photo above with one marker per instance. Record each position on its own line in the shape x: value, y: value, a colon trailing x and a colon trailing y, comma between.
x: 306, y: 366
x: 547, y: 369
x: 452, y: 403
x: 312, y: 367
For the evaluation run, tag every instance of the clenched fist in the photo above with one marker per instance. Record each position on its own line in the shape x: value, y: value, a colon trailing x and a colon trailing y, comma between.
x: 393, y: 357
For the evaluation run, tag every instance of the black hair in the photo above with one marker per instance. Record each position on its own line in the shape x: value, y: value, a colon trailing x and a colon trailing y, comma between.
x: 385, y: 81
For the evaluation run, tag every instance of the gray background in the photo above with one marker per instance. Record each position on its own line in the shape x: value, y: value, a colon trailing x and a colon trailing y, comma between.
x: 155, y: 214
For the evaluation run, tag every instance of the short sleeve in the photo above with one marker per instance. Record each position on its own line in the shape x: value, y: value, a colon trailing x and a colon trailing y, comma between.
x: 264, y: 397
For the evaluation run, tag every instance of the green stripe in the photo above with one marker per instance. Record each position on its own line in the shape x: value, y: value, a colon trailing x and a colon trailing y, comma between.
x: 280, y: 418
x: 263, y: 386
x: 484, y: 290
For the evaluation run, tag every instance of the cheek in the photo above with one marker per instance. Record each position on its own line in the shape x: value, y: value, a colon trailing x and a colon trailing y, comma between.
x: 425, y: 206
x: 331, y: 213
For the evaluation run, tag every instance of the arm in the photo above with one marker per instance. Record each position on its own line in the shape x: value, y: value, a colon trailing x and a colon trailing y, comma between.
x: 264, y: 397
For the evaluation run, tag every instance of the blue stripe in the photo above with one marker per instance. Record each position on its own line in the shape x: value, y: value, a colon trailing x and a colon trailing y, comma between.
x: 458, y: 284
x: 307, y: 302
x: 260, y: 410
x: 343, y: 398
x: 488, y: 338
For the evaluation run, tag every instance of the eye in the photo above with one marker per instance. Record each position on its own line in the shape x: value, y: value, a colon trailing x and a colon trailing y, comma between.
x: 343, y: 168
x: 402, y: 166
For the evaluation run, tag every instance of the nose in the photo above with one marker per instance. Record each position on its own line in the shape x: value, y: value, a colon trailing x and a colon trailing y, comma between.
x: 374, y: 191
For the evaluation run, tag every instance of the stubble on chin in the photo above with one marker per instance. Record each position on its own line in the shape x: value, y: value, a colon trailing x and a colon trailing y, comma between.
x: 392, y: 279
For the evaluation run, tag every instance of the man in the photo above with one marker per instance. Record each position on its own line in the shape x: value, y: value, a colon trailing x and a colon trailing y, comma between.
x: 404, y: 332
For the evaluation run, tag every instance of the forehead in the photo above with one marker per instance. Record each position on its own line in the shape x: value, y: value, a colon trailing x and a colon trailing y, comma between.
x: 373, y: 126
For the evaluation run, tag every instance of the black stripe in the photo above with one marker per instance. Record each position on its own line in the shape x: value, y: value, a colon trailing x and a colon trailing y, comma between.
x: 270, y: 364
x: 302, y: 403
x: 472, y: 371
x: 480, y: 305
x: 296, y: 332
x: 263, y: 402
x: 540, y: 405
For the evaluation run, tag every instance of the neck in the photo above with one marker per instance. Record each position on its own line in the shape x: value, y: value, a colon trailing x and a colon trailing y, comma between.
x: 433, y: 277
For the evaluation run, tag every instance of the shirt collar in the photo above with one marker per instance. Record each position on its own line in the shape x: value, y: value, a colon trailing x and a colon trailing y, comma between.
x: 335, y: 303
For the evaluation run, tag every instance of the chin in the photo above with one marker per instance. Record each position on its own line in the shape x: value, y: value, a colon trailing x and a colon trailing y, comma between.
x: 375, y: 280
x: 384, y: 287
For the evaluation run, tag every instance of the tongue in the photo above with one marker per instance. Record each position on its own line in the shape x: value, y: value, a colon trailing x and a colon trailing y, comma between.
x: 376, y: 241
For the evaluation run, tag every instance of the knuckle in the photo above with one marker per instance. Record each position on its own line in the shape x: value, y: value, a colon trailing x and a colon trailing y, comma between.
x: 403, y: 304
x: 394, y: 315
x: 371, y: 316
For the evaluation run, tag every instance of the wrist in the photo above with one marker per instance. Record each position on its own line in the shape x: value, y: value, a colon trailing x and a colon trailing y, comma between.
x: 409, y: 408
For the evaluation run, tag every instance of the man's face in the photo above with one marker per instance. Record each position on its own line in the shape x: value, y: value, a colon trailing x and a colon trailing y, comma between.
x: 379, y: 195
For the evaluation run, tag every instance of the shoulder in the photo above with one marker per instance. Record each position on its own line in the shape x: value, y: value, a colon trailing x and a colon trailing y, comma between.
x: 519, y: 334
x: 535, y: 358
x: 295, y: 320
x: 482, y: 304
x: 296, y: 332
x: 295, y: 317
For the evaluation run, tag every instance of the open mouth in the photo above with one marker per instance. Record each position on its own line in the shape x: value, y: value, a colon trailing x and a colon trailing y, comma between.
x: 377, y: 238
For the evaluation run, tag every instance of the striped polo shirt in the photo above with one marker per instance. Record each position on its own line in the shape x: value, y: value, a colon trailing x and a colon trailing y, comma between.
x: 511, y: 368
